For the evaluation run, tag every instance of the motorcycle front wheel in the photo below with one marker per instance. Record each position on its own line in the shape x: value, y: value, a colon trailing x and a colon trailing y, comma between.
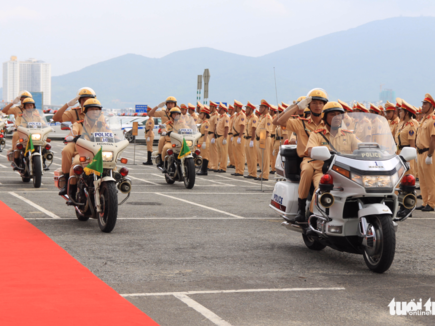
x: 189, y: 173
x: 380, y: 257
x: 37, y: 171
x: 312, y: 243
x: 109, y: 206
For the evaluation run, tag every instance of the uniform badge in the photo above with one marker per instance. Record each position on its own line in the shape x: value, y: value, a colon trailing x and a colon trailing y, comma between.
x: 227, y: 121
x: 411, y: 132
x: 243, y: 119
x: 206, y: 127
x: 324, y: 143
x: 268, y: 123
x: 255, y: 121
x: 369, y: 128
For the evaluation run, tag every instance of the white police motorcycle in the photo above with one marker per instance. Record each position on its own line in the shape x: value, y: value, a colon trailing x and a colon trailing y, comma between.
x: 356, y: 205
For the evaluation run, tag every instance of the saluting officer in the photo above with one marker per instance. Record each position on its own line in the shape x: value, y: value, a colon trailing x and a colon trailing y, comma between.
x: 222, y: 128
x: 239, y: 126
x: 149, y: 136
x: 250, y: 144
x: 316, y: 100
x: 425, y: 141
x: 265, y: 124
x: 231, y: 138
x: 214, y: 158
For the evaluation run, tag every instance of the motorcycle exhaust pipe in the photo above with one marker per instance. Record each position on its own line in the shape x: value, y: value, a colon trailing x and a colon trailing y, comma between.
x: 408, y: 200
x: 125, y: 186
x: 326, y: 200
x: 198, y: 161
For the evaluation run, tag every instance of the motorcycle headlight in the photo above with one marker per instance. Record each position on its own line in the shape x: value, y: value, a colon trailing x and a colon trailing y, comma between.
x: 107, y: 156
x: 374, y: 181
x: 36, y: 136
x: 189, y: 143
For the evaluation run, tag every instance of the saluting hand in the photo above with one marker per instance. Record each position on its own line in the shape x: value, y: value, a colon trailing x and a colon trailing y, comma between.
x: 73, y: 101
x: 17, y: 99
x: 161, y: 105
x: 304, y: 103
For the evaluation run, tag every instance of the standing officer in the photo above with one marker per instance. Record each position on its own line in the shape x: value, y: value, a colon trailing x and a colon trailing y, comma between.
x: 316, y: 100
x: 149, y: 136
x: 250, y: 144
x: 280, y: 137
x: 163, y: 114
x: 425, y: 141
x: 191, y: 109
x: 222, y: 129
x: 272, y: 112
x: 239, y: 139
x: 75, y: 114
x: 204, y: 140
x: 393, y: 119
x: 264, y: 125
x: 214, y: 159
x: 199, y: 106
x: 407, y: 131
x: 230, y: 134
x: 363, y: 126
x: 348, y: 121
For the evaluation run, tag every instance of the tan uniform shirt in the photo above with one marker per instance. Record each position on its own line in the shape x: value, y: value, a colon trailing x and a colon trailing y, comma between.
x: 169, y: 127
x: 213, y: 121
x: 149, y: 127
x: 393, y: 126
x: 231, y: 130
x: 363, y: 129
x: 85, y: 127
x: 73, y: 115
x: 426, y: 131
x: 406, y: 132
x: 161, y: 114
x: 349, y: 122
x: 222, y: 122
x: 204, y: 129
x: 239, y: 120
x: 195, y: 117
x: 23, y: 119
x: 265, y: 122
x: 251, y: 123
x: 302, y: 128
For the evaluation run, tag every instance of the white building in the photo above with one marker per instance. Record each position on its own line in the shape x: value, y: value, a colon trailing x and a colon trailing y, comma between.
x: 31, y: 75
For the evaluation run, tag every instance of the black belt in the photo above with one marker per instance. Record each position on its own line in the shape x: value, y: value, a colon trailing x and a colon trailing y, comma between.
x: 401, y: 147
x: 279, y: 138
x: 230, y: 133
x: 235, y: 135
x: 202, y: 135
x: 147, y: 130
x: 211, y: 133
x: 421, y: 151
x: 217, y: 136
x: 258, y: 138
x: 273, y: 136
x: 247, y: 137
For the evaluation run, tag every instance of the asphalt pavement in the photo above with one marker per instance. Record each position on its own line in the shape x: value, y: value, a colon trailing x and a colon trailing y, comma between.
x: 217, y: 254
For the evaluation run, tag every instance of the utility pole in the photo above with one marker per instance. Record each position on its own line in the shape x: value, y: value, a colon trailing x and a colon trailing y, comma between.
x: 206, y: 76
x: 198, y: 89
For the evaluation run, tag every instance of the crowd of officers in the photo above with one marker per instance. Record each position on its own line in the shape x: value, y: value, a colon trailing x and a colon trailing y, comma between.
x: 230, y: 135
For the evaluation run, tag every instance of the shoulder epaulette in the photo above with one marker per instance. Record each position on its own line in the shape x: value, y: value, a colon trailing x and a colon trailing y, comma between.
x: 410, y: 123
x: 20, y: 115
x: 433, y: 117
x: 300, y: 118
x: 348, y: 131
x: 319, y: 130
x: 80, y: 120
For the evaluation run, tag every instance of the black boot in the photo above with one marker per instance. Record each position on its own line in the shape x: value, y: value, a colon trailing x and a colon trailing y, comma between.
x: 16, y: 164
x: 63, y: 191
x: 159, y: 159
x: 72, y: 193
x: 203, y: 168
x: 300, y: 217
x: 149, y: 162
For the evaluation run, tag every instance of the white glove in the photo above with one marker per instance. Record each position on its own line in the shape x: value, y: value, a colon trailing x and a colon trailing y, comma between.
x: 163, y: 133
x: 17, y: 99
x: 224, y: 142
x: 304, y: 103
x: 251, y: 143
x: 204, y: 145
x: 428, y: 160
x: 239, y: 140
x: 73, y: 101
x: 213, y: 140
x: 69, y: 138
x: 161, y: 105
x: 232, y: 138
x: 148, y: 139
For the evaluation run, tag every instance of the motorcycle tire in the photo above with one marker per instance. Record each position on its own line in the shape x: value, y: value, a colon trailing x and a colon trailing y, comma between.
x: 25, y: 179
x: 312, y: 244
x: 189, y: 173
x: 381, y: 260
x: 37, y: 171
x: 109, y: 205
x: 169, y: 181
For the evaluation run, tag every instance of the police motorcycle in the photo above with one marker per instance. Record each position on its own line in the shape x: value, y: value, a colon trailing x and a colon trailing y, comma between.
x: 181, y: 167
x: 28, y: 158
x: 96, y: 196
x: 3, y: 122
x: 356, y: 205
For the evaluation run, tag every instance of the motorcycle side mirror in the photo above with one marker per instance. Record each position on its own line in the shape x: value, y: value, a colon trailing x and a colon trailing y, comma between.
x: 320, y: 153
x: 408, y: 153
x: 65, y: 126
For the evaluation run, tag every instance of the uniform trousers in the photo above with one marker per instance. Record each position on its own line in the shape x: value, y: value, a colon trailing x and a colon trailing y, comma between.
x: 251, y: 157
x: 427, y: 180
x: 239, y: 154
x: 264, y: 159
x: 222, y: 153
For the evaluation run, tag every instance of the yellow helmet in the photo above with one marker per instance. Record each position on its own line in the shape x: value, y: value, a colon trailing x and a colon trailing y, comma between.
x: 25, y: 94
x: 318, y: 94
x: 28, y: 100
x: 86, y: 92
x: 300, y: 98
x: 331, y: 107
x: 92, y: 102
x: 174, y: 110
x: 171, y: 99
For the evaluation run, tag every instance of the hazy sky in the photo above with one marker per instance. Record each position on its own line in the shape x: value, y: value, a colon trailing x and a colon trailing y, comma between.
x: 74, y: 34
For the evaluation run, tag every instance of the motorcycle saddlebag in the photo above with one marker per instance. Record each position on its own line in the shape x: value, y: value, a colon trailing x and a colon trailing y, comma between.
x: 292, y: 163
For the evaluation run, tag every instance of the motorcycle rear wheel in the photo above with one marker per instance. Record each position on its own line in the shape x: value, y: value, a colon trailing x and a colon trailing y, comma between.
x: 312, y: 243
x: 109, y: 206
x: 189, y: 173
x: 381, y: 260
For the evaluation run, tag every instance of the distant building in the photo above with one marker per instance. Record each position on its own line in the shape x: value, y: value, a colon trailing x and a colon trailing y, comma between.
x: 387, y: 95
x: 31, y: 75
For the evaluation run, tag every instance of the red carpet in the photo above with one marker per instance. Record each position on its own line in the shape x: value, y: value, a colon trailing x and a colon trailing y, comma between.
x: 41, y: 284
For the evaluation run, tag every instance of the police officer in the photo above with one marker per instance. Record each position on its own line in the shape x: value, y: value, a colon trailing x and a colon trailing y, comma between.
x: 199, y: 106
x: 272, y: 112
x: 280, y: 137
x: 191, y: 109
x: 425, y: 142
x: 149, y: 136
x: 265, y: 126
x: 316, y: 100
x: 170, y: 103
x: 73, y: 115
x: 407, y: 131
x: 250, y: 143
x: 174, y: 116
x: 204, y: 141
x: 239, y: 127
x: 222, y: 129
x: 348, y: 121
x: 363, y: 126
x: 332, y: 136
x: 393, y: 119
x: 214, y: 158
x: 231, y: 112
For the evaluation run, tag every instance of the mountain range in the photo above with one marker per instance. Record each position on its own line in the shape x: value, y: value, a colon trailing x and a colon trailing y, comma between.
x: 350, y: 65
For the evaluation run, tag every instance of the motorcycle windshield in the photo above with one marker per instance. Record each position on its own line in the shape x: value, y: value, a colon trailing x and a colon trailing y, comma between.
x: 99, y: 128
x: 32, y: 119
x: 362, y: 136
x: 185, y: 125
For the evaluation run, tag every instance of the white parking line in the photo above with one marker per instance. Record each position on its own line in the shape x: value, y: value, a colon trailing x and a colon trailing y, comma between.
x: 203, y: 206
x: 34, y: 205
x: 3, y: 166
x: 253, y: 183
x: 134, y: 178
x: 210, y: 315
